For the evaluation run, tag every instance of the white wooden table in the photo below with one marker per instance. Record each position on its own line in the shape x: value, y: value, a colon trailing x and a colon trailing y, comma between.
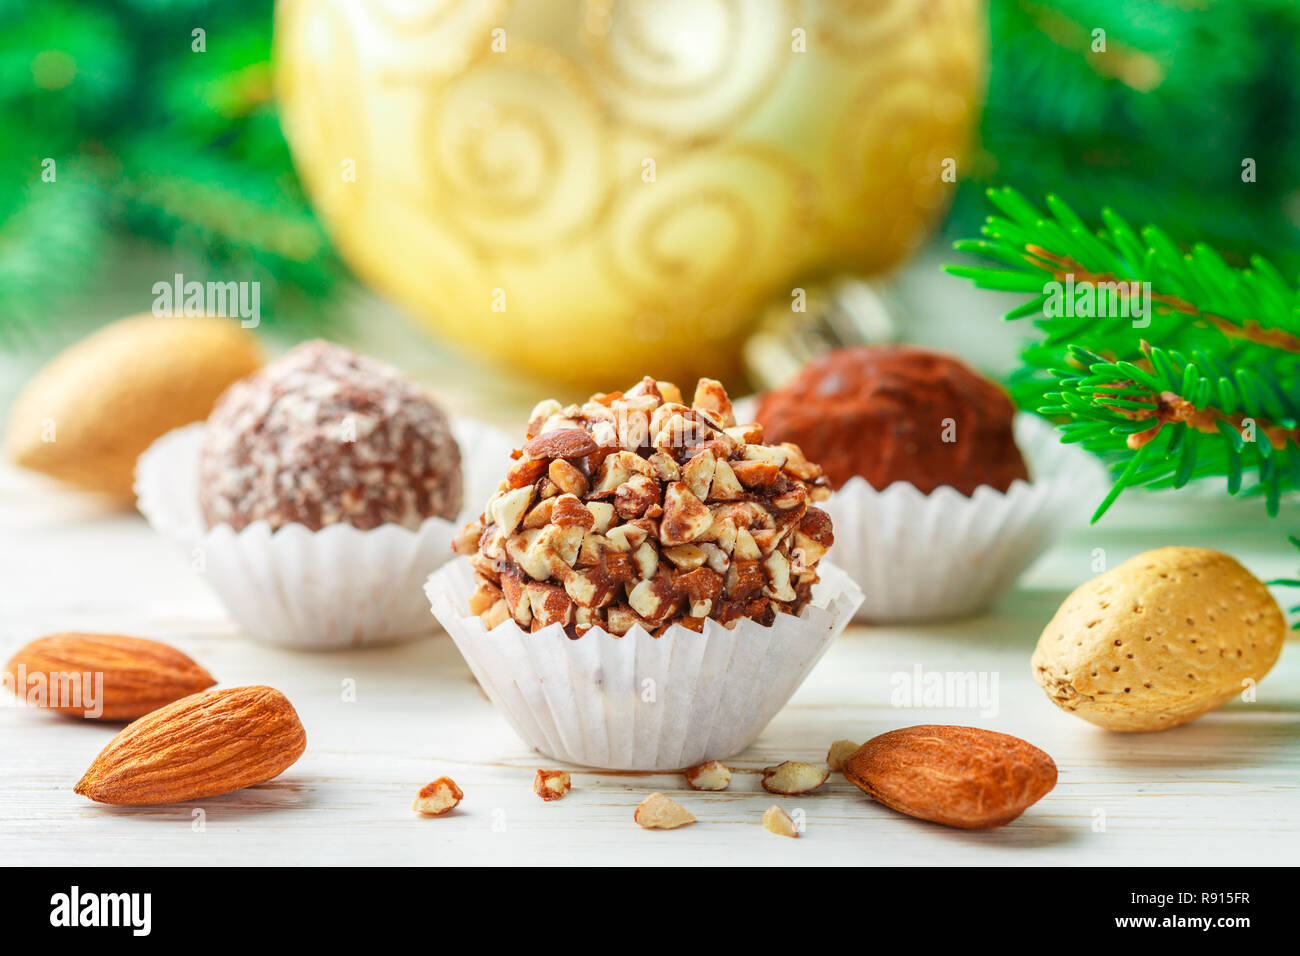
x: 1223, y: 790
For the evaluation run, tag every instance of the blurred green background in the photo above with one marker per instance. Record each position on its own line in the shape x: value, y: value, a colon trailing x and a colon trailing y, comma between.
x: 179, y: 159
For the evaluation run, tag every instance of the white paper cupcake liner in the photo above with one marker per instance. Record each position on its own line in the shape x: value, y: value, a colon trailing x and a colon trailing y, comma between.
x: 639, y: 702
x: 943, y: 555
x: 337, y: 587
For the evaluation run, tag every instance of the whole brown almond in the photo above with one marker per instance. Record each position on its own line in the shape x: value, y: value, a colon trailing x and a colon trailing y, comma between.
x: 62, y: 672
x: 201, y: 746
x: 958, y: 776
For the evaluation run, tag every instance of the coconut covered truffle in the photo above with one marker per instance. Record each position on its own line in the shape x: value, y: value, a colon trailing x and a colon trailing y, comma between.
x: 323, y: 436
x: 637, y: 509
x: 898, y: 414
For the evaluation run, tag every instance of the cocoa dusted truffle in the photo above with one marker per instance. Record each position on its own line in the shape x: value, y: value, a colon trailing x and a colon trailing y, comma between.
x: 323, y: 436
x: 637, y: 509
x: 898, y: 414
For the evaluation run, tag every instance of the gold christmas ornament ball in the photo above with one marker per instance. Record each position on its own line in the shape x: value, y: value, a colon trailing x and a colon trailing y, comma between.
x: 590, y: 191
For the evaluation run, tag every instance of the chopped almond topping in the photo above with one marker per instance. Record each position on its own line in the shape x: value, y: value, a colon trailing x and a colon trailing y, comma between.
x: 634, y: 509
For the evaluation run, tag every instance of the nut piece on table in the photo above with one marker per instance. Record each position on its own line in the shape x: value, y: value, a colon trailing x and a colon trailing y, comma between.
x: 840, y: 751
x: 551, y: 784
x: 778, y: 821
x: 437, y: 798
x: 710, y: 775
x: 657, y: 812
x: 794, y: 777
x: 962, y: 777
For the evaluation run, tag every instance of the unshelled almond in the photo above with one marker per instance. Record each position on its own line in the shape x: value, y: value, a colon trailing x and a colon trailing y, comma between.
x: 958, y: 776
x: 88, y: 414
x: 779, y: 822
x: 551, y: 784
x: 103, y: 676
x: 794, y: 777
x: 200, y: 746
x: 435, y: 799
x: 1160, y: 640
x: 710, y: 775
x: 657, y: 812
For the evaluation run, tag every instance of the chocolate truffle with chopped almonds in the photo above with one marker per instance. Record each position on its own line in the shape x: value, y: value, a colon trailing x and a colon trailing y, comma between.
x: 636, y: 509
x: 323, y: 436
x: 898, y: 414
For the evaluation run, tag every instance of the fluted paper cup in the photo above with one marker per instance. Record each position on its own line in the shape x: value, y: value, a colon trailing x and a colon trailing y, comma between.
x: 639, y: 702
x: 337, y: 587
x: 943, y: 555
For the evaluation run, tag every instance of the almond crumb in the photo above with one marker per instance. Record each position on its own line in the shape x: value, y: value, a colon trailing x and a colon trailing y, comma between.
x: 437, y: 798
x: 710, y: 775
x: 779, y: 822
x: 840, y: 751
x: 551, y: 784
x: 657, y: 812
x: 794, y: 777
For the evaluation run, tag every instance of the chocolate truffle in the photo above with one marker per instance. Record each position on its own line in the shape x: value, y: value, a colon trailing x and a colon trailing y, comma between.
x: 636, y: 509
x: 322, y: 436
x: 898, y: 414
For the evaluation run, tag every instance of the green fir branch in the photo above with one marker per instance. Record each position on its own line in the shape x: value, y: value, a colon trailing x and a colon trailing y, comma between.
x: 160, y: 151
x: 1115, y: 123
x: 1189, y: 369
x: 1180, y: 368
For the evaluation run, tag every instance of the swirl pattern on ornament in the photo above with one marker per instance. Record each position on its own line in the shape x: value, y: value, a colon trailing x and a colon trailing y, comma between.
x: 686, y: 68
x: 855, y: 27
x: 417, y: 15
x: 716, y: 221
x: 516, y: 152
x: 424, y: 41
